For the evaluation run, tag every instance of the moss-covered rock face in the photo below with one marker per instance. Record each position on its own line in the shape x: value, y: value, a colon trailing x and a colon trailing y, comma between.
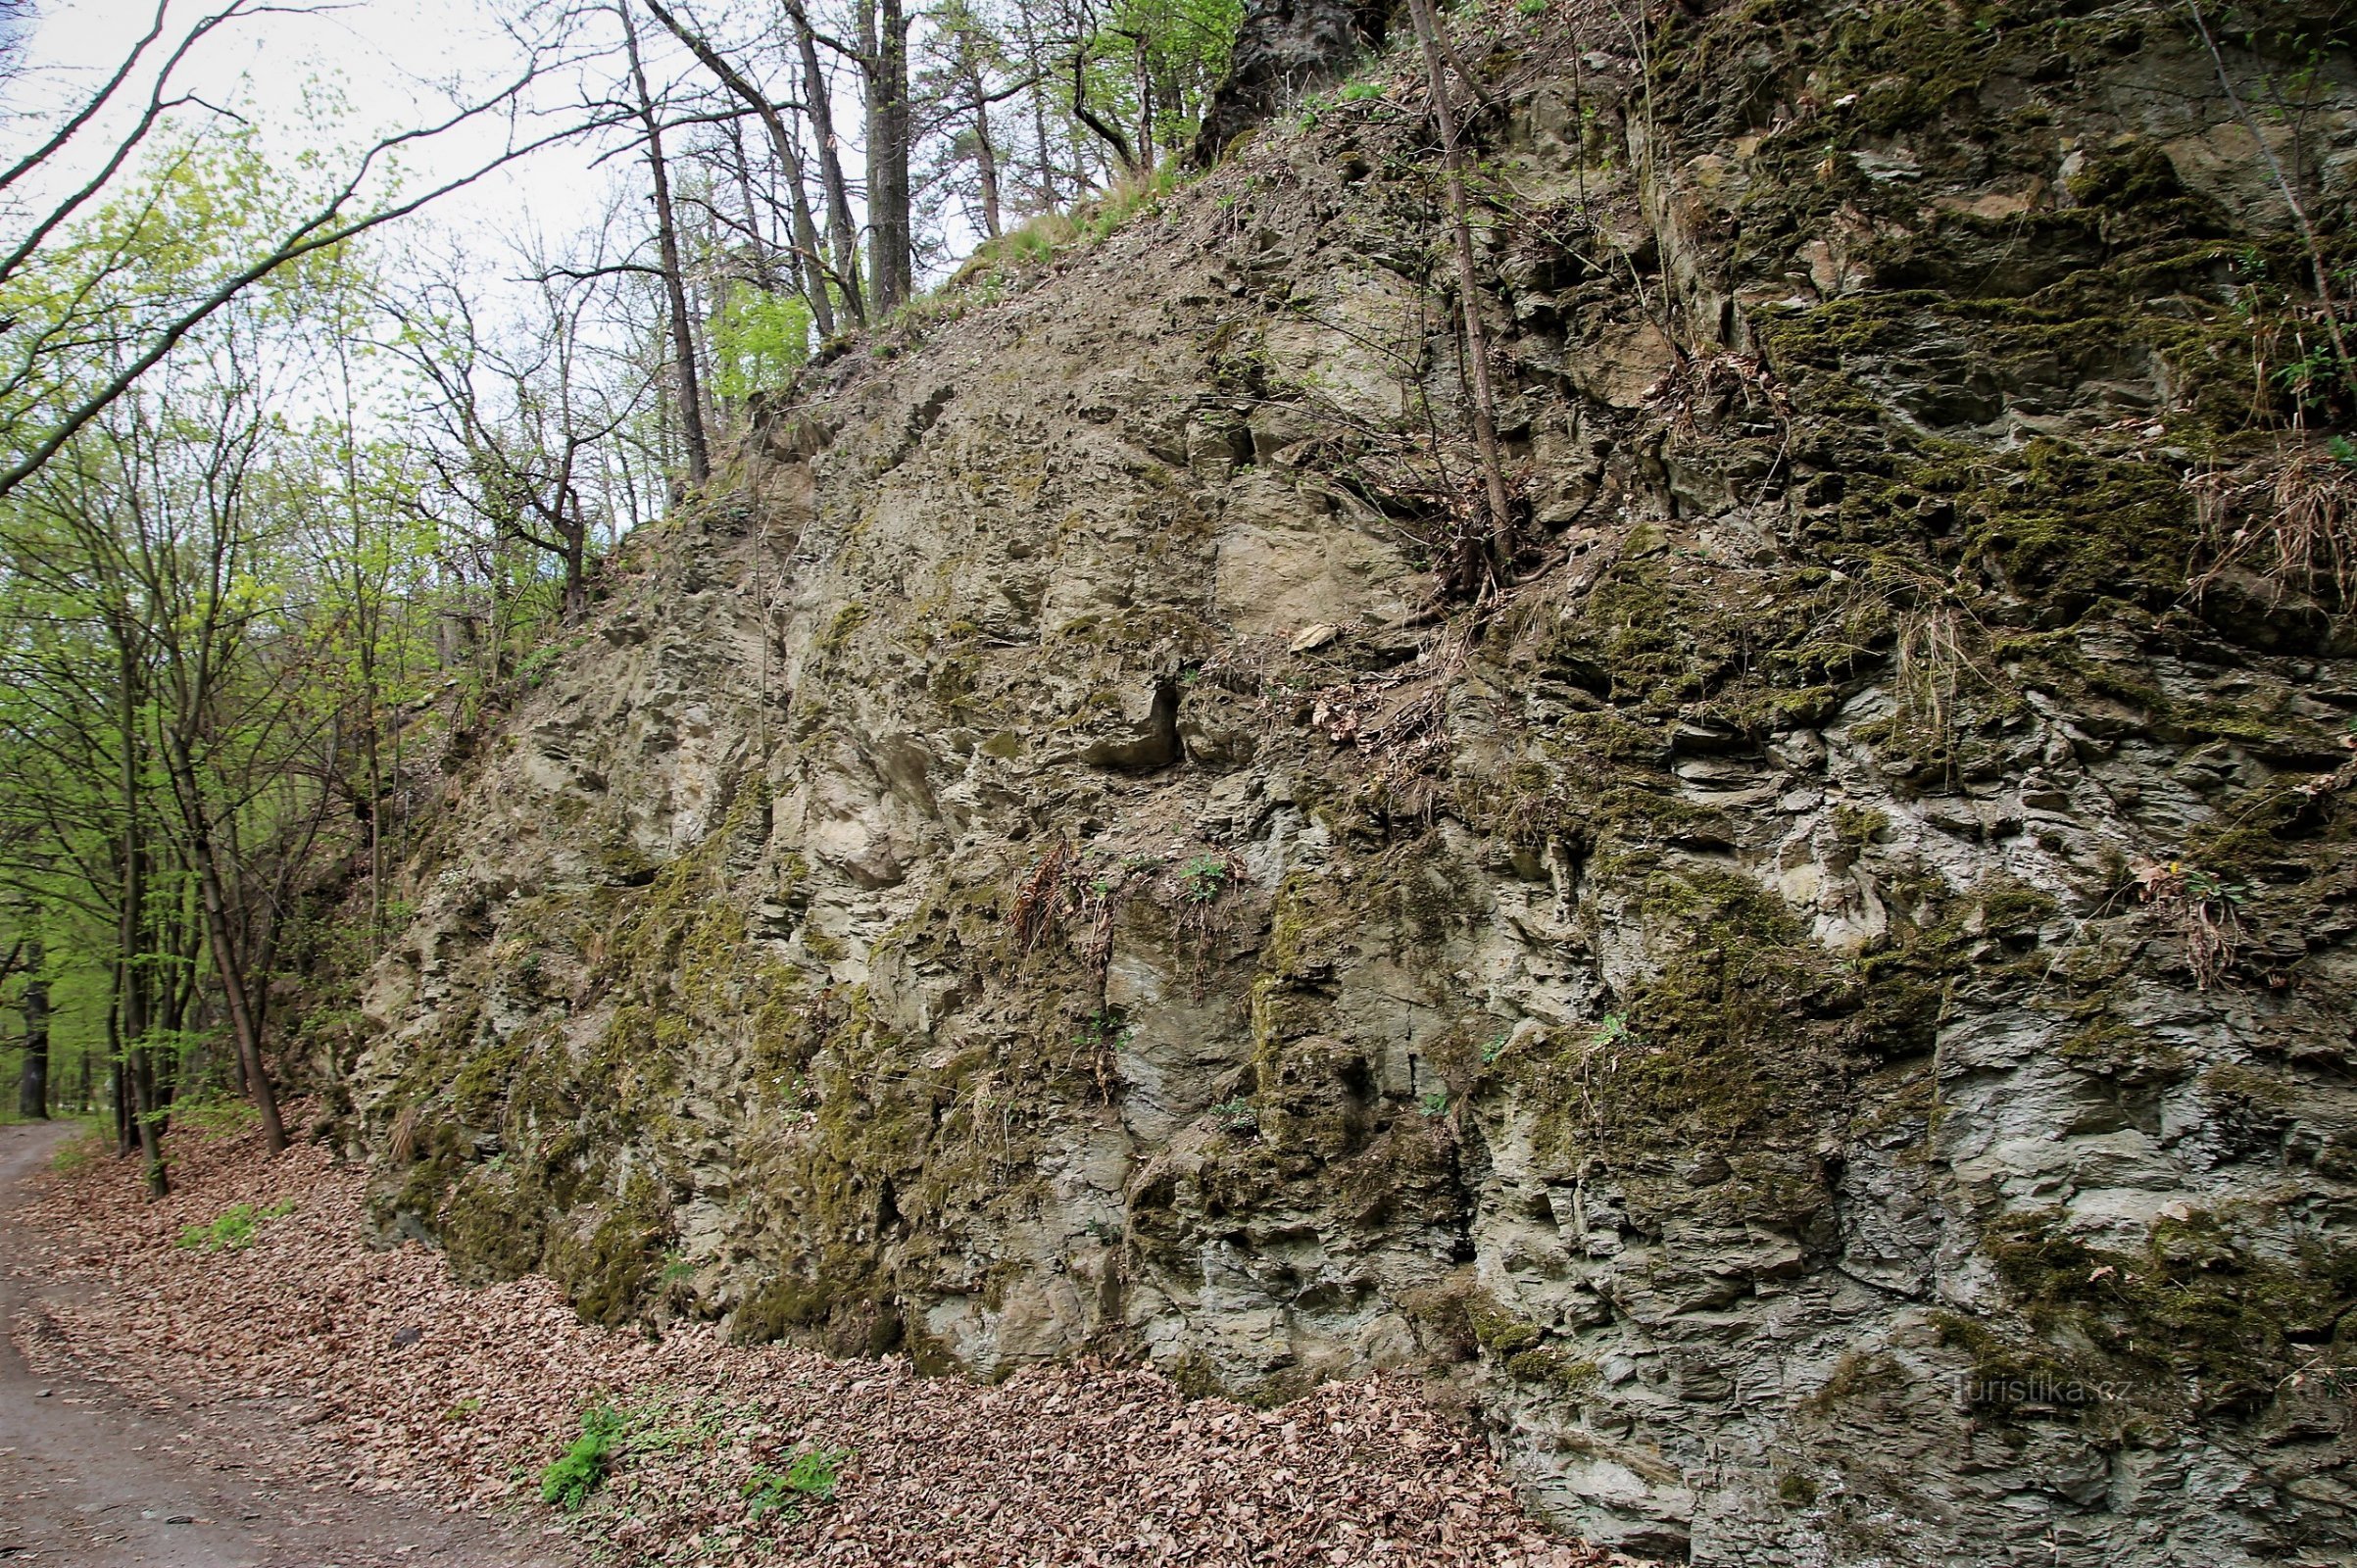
x: 1826, y: 1005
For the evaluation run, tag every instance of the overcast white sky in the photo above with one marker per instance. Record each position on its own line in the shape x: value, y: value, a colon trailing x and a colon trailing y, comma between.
x: 398, y: 64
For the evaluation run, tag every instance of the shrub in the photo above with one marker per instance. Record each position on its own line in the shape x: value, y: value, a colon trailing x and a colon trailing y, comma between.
x: 568, y: 1481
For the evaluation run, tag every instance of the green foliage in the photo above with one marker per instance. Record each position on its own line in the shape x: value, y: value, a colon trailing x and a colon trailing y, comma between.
x: 1204, y: 877
x: 216, y: 1116
x: 234, y: 1230
x: 568, y: 1480
x: 811, y: 1476
x: 1236, y: 1115
x: 1103, y: 1030
x: 78, y: 1152
x: 759, y: 340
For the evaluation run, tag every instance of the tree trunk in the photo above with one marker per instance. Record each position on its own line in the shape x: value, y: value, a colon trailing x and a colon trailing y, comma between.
x: 986, y: 169
x: 32, y: 1079
x: 885, y: 37
x: 135, y: 1084
x: 781, y: 146
x: 117, y: 1084
x: 1036, y: 61
x: 574, y: 532
x: 843, y: 235
x: 666, y: 233
x: 148, y: 1117
x: 245, y: 1025
x: 809, y: 262
x: 1105, y: 132
x: 1468, y: 293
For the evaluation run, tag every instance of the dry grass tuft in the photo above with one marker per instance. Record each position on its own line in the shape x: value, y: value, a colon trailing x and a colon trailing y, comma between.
x: 2289, y: 519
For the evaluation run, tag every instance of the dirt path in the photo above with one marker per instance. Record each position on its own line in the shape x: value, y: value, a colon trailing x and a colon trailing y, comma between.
x: 90, y: 1478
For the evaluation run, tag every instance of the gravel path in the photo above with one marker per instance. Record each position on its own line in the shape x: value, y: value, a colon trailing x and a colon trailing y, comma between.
x: 91, y: 1477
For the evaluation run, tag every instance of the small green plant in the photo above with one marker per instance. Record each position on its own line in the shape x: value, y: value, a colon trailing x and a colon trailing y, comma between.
x: 1495, y: 1048
x: 1314, y: 109
x: 568, y: 1480
x: 1103, y: 1030
x: 462, y: 1409
x: 1358, y: 92
x: 77, y: 1154
x: 1612, y: 1031
x: 1236, y: 1115
x: 1206, y: 877
x: 1435, y: 1104
x: 216, y: 1117
x: 1532, y: 8
x: 235, y: 1230
x: 677, y: 1269
x: 812, y: 1475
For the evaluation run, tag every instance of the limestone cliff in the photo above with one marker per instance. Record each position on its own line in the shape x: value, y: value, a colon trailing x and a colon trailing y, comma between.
x: 1826, y: 1002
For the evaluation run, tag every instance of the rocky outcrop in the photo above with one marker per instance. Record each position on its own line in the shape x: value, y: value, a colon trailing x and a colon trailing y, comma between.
x: 1285, y: 49
x: 1824, y: 1003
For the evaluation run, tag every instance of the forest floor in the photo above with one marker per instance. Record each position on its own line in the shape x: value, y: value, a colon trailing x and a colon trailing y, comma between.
x: 114, y: 1472
x: 258, y: 1384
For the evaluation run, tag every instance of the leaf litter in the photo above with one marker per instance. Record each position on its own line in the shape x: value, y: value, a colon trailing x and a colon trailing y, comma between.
x: 393, y: 1378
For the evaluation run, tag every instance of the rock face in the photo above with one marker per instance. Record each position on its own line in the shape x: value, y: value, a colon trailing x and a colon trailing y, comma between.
x: 1284, y: 49
x: 1826, y: 1002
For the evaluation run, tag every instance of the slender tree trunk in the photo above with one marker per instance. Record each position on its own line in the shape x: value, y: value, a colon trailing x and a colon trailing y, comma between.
x: 666, y: 233
x: 843, y: 235
x: 1035, y: 61
x: 116, y: 1083
x: 1468, y: 294
x: 902, y: 145
x: 33, y: 1078
x: 986, y: 169
x: 1143, y: 68
x: 1105, y: 131
x: 245, y: 1026
x: 148, y: 1116
x: 884, y: 35
x: 879, y: 183
x: 809, y: 260
x: 781, y: 146
x: 130, y: 932
x: 574, y: 532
